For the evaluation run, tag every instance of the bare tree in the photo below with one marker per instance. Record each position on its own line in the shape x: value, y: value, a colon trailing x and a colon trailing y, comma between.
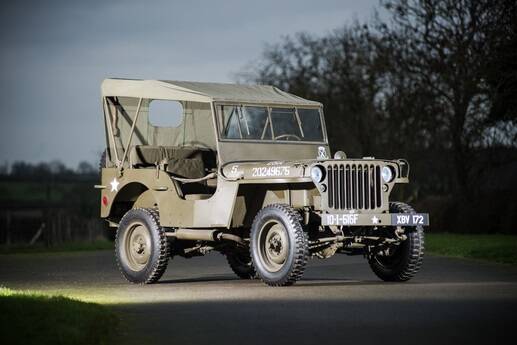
x: 446, y: 48
x: 85, y: 168
x: 435, y: 82
x: 341, y: 70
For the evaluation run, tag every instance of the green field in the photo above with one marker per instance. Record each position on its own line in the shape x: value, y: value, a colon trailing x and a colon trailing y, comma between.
x: 28, y: 317
x: 495, y: 248
x: 27, y: 192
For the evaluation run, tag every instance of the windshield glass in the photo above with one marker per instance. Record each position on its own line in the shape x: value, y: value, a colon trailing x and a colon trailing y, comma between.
x: 277, y: 124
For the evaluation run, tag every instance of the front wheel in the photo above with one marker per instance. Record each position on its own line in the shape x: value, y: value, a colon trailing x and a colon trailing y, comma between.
x: 141, y: 246
x: 401, y: 262
x: 278, y: 245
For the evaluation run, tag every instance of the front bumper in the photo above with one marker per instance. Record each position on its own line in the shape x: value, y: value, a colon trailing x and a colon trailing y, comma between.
x: 369, y: 219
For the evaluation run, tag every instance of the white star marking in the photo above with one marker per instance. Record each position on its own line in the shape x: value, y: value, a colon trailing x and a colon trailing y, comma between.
x: 114, y: 185
x: 375, y: 220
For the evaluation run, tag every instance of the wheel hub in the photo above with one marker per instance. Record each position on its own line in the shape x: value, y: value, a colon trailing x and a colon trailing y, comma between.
x: 138, y: 246
x: 274, y: 245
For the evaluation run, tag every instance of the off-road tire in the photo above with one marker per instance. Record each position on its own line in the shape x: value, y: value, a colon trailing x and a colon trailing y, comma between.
x: 159, y: 246
x: 296, y: 258
x: 409, y: 255
x: 241, y: 265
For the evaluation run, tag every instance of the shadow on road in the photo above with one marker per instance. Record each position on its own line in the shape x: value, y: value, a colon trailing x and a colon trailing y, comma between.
x: 219, y: 278
x: 317, y: 281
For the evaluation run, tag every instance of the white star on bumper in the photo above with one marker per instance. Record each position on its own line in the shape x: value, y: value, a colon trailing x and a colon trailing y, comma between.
x: 114, y: 185
x: 375, y: 220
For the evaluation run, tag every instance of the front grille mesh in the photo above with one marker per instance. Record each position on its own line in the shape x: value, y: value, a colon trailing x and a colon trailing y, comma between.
x: 354, y: 186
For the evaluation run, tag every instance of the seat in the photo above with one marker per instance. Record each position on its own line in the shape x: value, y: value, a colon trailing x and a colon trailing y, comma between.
x: 183, y: 161
x: 179, y: 161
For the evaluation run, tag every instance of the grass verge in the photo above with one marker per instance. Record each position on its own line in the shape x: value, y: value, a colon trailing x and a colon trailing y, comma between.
x: 65, y: 247
x: 28, y: 317
x: 494, y: 248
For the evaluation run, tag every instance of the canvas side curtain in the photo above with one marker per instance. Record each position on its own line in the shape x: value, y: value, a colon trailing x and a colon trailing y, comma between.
x: 196, y: 128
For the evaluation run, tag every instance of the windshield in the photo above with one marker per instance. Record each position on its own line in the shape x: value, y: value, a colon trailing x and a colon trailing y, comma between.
x: 277, y: 124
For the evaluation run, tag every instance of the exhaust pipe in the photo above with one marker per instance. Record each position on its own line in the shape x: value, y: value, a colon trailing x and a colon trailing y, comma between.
x: 203, y: 235
x: 193, y: 234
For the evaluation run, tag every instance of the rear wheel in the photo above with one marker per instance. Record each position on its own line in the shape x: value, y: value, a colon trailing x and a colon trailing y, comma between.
x: 240, y: 263
x: 403, y: 261
x: 278, y: 245
x: 141, y: 246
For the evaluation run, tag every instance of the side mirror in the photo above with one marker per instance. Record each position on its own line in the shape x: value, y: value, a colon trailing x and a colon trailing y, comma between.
x: 339, y: 155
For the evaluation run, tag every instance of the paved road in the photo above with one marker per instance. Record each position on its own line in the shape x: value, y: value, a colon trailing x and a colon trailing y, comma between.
x: 199, y: 301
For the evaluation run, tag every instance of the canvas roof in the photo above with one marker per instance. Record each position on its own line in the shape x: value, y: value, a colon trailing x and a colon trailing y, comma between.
x: 201, y: 92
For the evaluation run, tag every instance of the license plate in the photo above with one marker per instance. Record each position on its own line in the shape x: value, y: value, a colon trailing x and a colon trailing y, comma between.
x: 410, y: 219
x: 382, y: 219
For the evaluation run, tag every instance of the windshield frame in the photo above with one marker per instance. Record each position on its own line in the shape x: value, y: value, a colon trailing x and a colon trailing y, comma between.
x: 218, y: 122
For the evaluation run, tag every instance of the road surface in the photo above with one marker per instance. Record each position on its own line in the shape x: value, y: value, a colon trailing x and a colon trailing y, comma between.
x: 200, y: 301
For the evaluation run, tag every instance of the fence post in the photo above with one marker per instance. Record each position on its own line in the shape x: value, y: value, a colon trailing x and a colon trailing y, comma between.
x: 68, y: 229
x: 90, y: 235
x: 8, y: 228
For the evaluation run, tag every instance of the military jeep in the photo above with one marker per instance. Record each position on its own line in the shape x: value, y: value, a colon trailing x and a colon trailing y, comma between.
x: 245, y: 171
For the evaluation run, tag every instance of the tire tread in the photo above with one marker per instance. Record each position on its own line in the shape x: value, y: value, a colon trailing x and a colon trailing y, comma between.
x: 243, y: 273
x: 416, y: 250
x: 160, y: 265
x: 300, y: 240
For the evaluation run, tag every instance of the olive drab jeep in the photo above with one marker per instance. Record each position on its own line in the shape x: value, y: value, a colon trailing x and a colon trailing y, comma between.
x: 246, y: 171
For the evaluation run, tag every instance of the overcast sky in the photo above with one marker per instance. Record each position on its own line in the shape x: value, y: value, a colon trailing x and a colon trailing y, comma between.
x: 55, y: 54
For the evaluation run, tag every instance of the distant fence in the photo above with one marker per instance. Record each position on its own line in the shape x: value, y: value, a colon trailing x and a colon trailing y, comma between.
x: 49, y: 210
x: 49, y: 226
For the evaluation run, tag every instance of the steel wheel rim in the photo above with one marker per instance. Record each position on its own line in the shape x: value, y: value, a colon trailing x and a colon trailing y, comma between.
x: 273, y: 245
x: 137, y: 246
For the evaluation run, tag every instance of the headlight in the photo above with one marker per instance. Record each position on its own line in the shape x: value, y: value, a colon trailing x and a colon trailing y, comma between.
x: 317, y: 174
x: 387, y: 174
x: 339, y: 155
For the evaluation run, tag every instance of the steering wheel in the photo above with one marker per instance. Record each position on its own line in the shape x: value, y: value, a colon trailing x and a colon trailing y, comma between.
x: 288, y: 136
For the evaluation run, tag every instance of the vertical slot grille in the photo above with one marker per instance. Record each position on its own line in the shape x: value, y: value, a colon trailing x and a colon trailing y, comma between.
x: 354, y: 186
